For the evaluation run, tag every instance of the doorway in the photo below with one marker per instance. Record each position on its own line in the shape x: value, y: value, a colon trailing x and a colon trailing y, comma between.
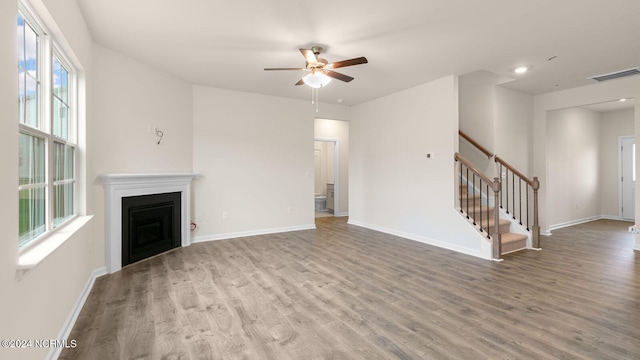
x: 584, y: 169
x: 627, y: 177
x: 326, y: 160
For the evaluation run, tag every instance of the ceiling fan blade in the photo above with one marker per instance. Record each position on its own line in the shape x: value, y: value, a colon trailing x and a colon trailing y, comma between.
x: 350, y: 62
x: 269, y: 69
x: 309, y: 56
x: 300, y: 82
x: 337, y: 75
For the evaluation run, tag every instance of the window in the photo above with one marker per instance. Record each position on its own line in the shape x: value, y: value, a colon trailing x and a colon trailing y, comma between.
x: 46, y: 120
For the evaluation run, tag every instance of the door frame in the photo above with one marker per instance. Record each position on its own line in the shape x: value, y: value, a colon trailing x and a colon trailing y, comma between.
x: 336, y: 172
x: 620, y: 190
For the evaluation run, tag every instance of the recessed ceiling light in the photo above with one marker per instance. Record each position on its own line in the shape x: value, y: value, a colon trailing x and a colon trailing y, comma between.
x: 521, y: 70
x: 623, y: 100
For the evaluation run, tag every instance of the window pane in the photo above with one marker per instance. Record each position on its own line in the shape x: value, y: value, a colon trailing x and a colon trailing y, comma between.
x: 63, y: 162
x: 28, y: 81
x: 62, y: 193
x: 31, y: 102
x: 32, y: 214
x: 21, y: 59
x: 60, y: 81
x: 62, y: 203
x: 31, y: 50
x: 60, y: 100
x: 22, y: 98
x: 32, y: 160
x: 60, y: 119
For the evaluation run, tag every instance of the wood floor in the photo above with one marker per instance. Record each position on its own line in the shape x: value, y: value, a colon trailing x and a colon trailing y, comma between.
x: 345, y: 292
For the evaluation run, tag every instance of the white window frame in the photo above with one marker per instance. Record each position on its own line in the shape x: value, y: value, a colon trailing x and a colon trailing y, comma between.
x: 47, y: 49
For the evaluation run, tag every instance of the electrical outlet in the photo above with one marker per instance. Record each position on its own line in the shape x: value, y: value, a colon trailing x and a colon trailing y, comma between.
x: 225, y: 215
x: 289, y: 210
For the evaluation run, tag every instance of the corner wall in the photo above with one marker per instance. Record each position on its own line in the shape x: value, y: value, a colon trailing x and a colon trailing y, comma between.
x: 573, y: 172
x: 394, y: 188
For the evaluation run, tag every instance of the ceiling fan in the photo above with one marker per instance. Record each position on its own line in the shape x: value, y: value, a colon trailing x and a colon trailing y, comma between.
x: 321, y: 72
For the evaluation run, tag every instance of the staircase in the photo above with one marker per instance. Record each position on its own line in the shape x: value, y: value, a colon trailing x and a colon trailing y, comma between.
x: 482, y: 216
x: 485, y: 203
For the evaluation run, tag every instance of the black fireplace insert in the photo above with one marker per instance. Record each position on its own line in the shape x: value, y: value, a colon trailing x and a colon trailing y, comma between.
x: 150, y: 225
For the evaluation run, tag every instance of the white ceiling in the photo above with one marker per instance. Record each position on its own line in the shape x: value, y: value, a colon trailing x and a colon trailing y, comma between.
x: 226, y: 44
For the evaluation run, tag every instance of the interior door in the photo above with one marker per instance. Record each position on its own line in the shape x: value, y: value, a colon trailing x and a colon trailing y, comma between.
x: 318, y: 183
x: 628, y: 181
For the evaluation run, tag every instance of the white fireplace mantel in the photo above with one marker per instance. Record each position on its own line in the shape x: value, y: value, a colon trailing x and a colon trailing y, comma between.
x: 118, y: 186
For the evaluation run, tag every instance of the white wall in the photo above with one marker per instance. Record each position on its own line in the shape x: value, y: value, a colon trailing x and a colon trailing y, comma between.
x: 36, y: 304
x: 255, y: 157
x: 573, y: 138
x: 497, y: 118
x: 129, y: 98
x: 393, y: 187
x: 512, y: 133
x: 591, y: 94
x: 339, y: 130
x: 613, y: 124
x: 477, y: 118
x: 477, y: 107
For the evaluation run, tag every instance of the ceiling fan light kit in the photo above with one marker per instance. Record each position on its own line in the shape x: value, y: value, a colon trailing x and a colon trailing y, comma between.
x: 316, y: 80
x: 321, y: 71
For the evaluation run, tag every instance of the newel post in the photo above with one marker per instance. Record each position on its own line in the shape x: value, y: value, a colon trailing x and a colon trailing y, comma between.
x: 535, y: 229
x: 497, y: 244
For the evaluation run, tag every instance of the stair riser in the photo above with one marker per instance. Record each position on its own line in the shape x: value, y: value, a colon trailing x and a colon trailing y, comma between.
x: 514, y: 246
x: 502, y: 229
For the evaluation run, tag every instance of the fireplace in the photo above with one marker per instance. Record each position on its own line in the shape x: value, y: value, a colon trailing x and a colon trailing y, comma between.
x: 150, y: 225
x: 122, y: 186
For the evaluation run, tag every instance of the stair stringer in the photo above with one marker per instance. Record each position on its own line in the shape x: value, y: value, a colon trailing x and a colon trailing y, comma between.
x: 486, y: 244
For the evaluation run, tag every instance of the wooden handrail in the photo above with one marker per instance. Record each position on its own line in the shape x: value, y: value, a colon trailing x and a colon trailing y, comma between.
x: 482, y: 176
x: 488, y: 153
x: 515, y: 171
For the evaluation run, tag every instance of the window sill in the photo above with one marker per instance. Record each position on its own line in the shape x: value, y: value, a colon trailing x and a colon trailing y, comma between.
x: 33, y: 256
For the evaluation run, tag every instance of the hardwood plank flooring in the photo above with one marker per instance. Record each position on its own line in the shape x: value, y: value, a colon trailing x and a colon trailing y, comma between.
x: 346, y: 292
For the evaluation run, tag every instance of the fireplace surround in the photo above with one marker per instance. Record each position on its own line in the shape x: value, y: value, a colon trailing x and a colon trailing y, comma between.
x: 119, y: 186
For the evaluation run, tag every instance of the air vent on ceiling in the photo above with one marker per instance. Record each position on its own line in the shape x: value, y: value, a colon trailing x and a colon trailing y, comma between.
x: 616, y: 75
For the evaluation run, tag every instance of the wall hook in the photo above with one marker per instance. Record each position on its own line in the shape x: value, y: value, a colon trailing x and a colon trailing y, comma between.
x: 159, y: 134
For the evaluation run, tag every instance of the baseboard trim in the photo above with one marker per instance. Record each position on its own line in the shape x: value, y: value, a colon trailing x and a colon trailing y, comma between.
x: 574, y: 222
x: 54, y: 353
x: 422, y: 239
x: 581, y: 221
x: 205, y: 238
